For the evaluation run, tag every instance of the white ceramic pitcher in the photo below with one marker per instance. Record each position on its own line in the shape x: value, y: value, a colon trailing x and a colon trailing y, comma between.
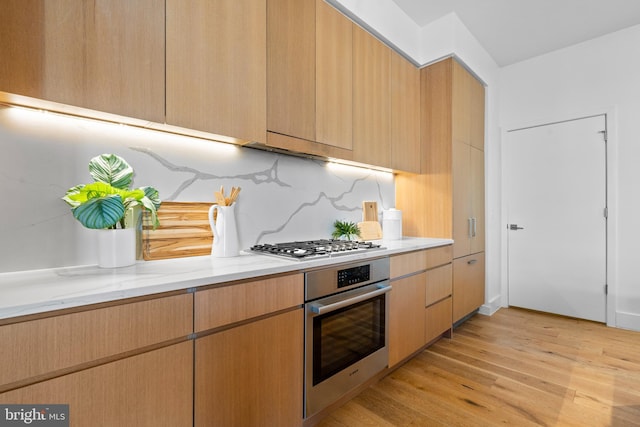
x: 225, y: 233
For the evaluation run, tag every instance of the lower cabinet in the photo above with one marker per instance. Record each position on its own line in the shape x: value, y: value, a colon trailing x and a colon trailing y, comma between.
x: 150, y: 389
x: 438, y: 302
x: 251, y: 374
x: 406, y: 320
x: 420, y: 300
x: 468, y: 285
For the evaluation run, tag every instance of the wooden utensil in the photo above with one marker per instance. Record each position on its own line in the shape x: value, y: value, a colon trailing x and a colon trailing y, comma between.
x: 220, y: 200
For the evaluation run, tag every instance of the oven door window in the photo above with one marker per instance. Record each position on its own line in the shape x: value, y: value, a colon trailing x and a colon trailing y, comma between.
x: 347, y: 335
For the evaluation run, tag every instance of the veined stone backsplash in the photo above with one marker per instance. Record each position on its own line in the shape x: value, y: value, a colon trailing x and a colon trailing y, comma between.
x: 283, y: 197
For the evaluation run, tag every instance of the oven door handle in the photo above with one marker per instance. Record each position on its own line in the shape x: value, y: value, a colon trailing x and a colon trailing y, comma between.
x: 321, y: 309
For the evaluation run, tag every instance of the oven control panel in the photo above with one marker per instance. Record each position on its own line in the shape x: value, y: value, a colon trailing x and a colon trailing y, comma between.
x: 353, y: 275
x: 322, y: 282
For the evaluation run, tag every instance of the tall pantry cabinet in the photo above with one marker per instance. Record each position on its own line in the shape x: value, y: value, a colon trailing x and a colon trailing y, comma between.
x: 447, y: 198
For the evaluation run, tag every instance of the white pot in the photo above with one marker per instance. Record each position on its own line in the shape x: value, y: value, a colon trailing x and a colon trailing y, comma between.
x: 116, y: 248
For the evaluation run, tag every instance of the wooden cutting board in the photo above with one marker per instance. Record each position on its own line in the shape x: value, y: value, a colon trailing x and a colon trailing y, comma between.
x: 184, y: 231
x: 370, y: 228
x: 369, y: 211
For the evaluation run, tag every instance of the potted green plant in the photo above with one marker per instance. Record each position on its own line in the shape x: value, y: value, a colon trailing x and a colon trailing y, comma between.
x: 107, y: 205
x: 345, y: 230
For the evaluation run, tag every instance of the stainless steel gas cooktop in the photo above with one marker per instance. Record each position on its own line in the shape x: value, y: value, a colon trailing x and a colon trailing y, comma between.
x: 304, y: 250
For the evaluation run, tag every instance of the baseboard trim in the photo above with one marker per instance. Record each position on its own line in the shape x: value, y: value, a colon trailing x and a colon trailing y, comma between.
x: 491, y: 307
x: 629, y: 321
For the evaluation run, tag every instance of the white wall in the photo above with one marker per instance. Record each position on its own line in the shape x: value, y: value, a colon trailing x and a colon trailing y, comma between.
x: 598, y: 76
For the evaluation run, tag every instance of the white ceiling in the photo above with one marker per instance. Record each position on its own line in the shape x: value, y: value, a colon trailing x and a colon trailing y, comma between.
x: 515, y: 30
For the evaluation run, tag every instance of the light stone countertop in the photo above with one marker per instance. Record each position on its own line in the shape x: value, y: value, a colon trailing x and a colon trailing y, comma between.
x: 38, y: 291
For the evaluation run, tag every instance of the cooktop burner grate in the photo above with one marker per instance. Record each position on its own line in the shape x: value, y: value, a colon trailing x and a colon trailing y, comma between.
x: 314, y: 248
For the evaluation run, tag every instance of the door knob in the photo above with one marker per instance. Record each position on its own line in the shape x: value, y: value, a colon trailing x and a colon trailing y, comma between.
x: 515, y: 227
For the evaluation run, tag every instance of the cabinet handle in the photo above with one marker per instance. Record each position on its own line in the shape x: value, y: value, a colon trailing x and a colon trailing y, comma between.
x: 472, y: 261
x: 470, y: 227
x: 473, y: 233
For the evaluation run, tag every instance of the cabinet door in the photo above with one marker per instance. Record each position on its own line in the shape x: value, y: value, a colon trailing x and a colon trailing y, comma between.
x: 462, y: 190
x: 216, y: 67
x: 37, y: 348
x: 468, y: 285
x: 406, y: 317
x: 461, y: 104
x: 438, y: 319
x: 477, y: 115
x: 252, y: 374
x: 438, y: 301
x: 405, y: 114
x: 151, y: 389
x: 334, y: 93
x: 371, y: 100
x: 291, y: 63
x: 477, y: 200
x: 106, y: 55
x: 439, y: 284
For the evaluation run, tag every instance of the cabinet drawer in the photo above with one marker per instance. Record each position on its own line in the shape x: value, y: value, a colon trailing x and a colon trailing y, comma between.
x: 439, y: 283
x: 438, y: 319
x: 234, y: 303
x: 439, y: 256
x: 42, y: 346
x: 150, y: 389
x: 468, y: 284
x: 412, y: 262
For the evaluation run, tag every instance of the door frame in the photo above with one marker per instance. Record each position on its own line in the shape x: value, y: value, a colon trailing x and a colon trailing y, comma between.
x: 610, y: 114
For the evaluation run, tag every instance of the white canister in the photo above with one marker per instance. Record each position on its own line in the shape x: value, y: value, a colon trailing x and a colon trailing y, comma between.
x: 392, y: 224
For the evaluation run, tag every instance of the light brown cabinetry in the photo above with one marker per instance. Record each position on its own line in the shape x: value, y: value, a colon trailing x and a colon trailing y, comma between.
x: 405, y: 114
x: 216, y: 67
x: 251, y: 374
x: 334, y: 79
x: 447, y: 198
x: 406, y: 317
x: 309, y: 78
x: 468, y: 284
x: 291, y: 66
x: 371, y: 99
x: 106, y: 56
x: 249, y: 353
x: 438, y: 319
x: 150, y: 389
x: 124, y: 364
x: 420, y: 300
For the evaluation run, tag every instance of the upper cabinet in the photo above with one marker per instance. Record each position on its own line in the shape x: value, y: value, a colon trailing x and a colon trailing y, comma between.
x: 447, y: 199
x: 106, y: 56
x: 309, y: 50
x: 334, y: 83
x: 291, y: 68
x: 216, y: 67
x: 386, y: 106
x: 291, y: 74
x: 405, y: 115
x: 371, y: 99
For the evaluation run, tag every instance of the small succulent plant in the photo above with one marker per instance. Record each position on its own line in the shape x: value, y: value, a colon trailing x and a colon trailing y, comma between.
x: 346, y: 229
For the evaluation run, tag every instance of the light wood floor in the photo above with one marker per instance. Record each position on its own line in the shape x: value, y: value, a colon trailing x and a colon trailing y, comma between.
x: 517, y: 367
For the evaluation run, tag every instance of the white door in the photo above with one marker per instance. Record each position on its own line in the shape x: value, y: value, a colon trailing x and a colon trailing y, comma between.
x: 556, y: 197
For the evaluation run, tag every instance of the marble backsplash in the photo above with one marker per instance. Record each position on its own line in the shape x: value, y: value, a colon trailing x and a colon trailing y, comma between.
x: 283, y: 197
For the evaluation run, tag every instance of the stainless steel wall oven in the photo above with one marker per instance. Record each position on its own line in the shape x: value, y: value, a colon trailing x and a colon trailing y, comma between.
x: 346, y: 322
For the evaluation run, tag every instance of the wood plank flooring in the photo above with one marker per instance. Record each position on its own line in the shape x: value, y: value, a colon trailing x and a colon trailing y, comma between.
x: 517, y: 367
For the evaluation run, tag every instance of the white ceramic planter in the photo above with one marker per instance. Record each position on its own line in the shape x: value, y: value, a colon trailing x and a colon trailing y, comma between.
x: 116, y: 248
